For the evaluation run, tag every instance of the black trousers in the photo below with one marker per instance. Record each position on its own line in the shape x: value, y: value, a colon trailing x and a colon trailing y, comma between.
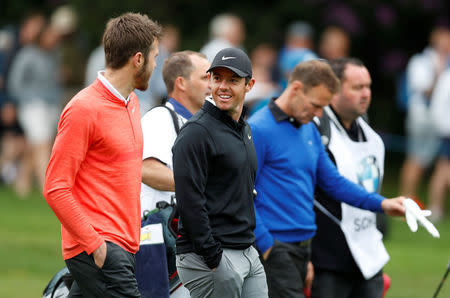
x: 286, y: 269
x: 330, y: 284
x: 115, y: 279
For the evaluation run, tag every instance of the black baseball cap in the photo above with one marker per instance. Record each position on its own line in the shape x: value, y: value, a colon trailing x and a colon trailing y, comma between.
x: 235, y: 60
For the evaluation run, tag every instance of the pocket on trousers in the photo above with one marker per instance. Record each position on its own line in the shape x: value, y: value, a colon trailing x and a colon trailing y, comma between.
x: 275, y: 249
x: 109, y: 251
x: 107, y: 257
x: 191, y: 261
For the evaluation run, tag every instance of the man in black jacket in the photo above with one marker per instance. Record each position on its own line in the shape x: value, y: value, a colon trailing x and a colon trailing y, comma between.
x: 214, y: 164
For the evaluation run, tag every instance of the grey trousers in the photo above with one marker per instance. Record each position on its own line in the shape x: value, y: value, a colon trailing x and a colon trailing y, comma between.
x: 239, y: 274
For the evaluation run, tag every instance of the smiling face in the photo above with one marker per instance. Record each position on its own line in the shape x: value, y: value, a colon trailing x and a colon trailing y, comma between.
x: 228, y: 91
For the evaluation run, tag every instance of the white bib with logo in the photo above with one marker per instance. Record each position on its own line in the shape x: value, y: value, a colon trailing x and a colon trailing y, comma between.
x: 361, y: 163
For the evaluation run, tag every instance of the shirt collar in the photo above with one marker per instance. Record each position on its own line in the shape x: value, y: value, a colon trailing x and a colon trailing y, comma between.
x: 355, y: 132
x: 279, y: 115
x: 211, y: 100
x: 180, y: 109
x: 110, y: 87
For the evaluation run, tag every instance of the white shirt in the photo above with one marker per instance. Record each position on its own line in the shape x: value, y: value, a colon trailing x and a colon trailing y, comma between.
x: 440, y: 104
x: 159, y: 135
x: 421, y: 73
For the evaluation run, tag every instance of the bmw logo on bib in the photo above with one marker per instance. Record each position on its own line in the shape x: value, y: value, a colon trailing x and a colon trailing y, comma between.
x: 368, y: 173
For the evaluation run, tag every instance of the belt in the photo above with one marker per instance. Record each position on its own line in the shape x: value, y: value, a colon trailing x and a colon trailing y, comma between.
x: 302, y: 243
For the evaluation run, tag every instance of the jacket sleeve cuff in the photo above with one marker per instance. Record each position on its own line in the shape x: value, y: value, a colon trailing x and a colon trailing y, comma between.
x: 211, y: 255
x: 213, y: 261
x: 375, y: 202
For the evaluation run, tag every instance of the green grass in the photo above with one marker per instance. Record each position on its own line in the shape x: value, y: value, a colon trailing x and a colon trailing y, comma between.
x: 30, y: 250
x: 418, y: 261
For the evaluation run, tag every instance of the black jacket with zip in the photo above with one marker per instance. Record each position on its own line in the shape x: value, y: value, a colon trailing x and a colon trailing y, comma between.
x: 214, y: 165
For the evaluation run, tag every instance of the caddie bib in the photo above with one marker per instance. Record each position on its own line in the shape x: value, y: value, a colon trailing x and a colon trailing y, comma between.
x: 361, y: 163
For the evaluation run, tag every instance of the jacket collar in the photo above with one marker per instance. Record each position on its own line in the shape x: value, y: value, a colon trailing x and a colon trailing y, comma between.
x: 224, y: 116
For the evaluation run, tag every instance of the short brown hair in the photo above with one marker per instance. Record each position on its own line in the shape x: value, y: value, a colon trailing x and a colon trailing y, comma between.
x: 178, y: 64
x: 128, y: 34
x: 314, y: 73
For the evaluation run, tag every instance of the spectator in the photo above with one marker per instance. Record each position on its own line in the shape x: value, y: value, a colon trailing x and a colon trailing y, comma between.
x: 15, y: 170
x: 347, y: 251
x: 93, y: 178
x: 27, y: 34
x: 288, y: 172
x: 6, y: 45
x: 263, y: 59
x: 334, y: 43
x: 226, y: 30
x: 440, y: 179
x: 298, y: 47
x: 13, y: 146
x: 423, y: 144
x: 71, y: 51
x: 34, y: 82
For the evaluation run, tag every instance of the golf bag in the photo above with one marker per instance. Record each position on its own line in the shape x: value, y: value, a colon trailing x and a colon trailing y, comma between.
x: 59, y: 286
x: 166, y: 215
x: 155, y: 263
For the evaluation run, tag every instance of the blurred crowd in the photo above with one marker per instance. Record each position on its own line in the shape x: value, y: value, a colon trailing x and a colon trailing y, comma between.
x: 43, y: 62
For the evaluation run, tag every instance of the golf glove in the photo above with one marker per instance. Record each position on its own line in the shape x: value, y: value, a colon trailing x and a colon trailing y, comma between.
x: 414, y: 214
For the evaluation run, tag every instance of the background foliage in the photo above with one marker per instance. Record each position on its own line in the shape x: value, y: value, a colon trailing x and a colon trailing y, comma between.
x: 385, y: 33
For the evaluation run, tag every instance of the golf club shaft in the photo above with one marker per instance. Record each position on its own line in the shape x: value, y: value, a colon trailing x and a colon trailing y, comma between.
x: 442, y: 281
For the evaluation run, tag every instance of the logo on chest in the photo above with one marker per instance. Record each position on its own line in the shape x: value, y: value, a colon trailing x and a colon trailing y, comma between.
x: 368, y: 173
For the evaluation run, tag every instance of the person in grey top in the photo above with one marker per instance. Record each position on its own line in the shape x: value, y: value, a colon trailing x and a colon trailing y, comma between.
x: 34, y: 83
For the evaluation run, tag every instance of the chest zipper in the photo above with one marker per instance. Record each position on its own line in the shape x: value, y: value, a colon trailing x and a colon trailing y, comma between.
x: 243, y: 136
x: 131, y: 123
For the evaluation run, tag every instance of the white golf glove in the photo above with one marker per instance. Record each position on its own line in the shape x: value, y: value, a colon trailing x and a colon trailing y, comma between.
x: 414, y: 214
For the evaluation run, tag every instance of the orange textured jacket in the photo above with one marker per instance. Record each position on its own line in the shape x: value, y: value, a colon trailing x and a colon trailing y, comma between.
x: 93, y: 179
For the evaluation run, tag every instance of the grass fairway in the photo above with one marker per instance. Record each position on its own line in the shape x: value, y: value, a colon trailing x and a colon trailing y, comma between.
x: 30, y: 252
x: 418, y: 261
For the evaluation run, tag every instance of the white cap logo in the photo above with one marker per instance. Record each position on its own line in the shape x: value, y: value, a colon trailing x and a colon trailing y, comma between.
x: 227, y: 58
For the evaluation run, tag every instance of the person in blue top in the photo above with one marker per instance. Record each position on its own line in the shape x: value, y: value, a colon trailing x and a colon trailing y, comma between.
x: 291, y: 162
x: 298, y: 47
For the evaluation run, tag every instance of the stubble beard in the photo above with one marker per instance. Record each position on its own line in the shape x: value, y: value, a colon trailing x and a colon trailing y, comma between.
x: 141, y: 78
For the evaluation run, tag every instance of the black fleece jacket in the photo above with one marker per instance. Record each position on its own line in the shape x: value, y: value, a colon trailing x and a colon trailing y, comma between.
x: 214, y: 165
